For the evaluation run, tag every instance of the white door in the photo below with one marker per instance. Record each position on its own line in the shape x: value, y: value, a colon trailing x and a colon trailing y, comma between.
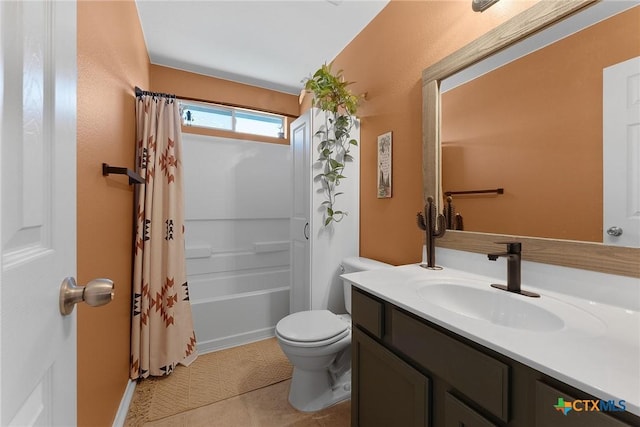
x: 300, y: 297
x: 621, y: 152
x: 38, y: 215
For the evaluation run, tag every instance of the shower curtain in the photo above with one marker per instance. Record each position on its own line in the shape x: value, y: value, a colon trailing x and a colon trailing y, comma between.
x: 162, y: 332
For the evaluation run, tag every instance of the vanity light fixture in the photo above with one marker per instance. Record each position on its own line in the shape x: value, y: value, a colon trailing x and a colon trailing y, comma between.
x: 482, y: 5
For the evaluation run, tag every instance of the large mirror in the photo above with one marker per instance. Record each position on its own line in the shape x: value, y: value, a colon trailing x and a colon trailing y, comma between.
x: 451, y: 91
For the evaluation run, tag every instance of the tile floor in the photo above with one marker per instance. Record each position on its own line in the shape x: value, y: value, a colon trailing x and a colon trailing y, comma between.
x: 265, y: 407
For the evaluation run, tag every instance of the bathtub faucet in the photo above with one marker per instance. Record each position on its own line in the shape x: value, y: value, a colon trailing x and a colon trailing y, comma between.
x: 434, y: 226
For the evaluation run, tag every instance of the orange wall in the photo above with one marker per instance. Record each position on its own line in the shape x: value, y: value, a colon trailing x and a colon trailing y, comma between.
x: 112, y: 59
x: 541, y: 139
x: 386, y: 61
x: 199, y: 87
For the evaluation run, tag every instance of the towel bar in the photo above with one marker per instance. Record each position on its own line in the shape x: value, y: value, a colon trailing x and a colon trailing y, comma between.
x: 134, y: 178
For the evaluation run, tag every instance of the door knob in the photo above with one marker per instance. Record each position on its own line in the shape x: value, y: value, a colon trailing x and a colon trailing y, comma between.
x: 306, y: 231
x: 614, y: 231
x: 96, y: 293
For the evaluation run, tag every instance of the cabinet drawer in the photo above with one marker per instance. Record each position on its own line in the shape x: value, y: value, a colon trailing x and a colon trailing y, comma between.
x: 481, y: 378
x: 458, y: 414
x: 582, y: 416
x: 367, y: 312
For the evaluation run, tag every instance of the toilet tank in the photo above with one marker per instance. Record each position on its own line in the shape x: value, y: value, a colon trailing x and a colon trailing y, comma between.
x: 352, y: 265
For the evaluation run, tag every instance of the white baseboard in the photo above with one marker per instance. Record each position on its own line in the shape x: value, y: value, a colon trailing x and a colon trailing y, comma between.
x: 121, y: 415
x: 235, y: 340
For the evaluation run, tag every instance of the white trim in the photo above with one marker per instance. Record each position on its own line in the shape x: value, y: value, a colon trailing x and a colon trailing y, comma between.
x: 121, y: 415
x: 235, y: 340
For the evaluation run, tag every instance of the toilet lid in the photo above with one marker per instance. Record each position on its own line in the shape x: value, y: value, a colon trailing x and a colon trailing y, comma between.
x: 309, y: 326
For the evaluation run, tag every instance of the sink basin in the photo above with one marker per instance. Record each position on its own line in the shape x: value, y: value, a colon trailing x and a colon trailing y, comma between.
x: 492, y: 305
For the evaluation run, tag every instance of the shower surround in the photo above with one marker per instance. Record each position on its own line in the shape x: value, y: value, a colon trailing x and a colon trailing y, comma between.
x: 237, y: 208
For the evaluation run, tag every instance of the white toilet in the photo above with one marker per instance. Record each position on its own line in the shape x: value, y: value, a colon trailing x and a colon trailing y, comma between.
x: 318, y: 345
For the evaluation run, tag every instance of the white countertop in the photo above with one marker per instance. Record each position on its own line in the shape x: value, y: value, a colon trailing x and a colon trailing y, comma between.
x: 597, y: 350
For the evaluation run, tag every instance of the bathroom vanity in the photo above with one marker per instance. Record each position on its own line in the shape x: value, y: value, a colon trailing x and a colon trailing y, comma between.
x: 443, y: 348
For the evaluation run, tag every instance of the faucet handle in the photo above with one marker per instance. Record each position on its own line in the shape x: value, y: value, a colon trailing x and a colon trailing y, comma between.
x: 512, y: 246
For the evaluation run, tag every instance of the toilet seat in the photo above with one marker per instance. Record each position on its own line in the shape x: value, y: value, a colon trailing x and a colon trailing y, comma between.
x: 313, y: 328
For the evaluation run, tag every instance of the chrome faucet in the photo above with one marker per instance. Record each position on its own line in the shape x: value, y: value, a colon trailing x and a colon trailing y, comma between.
x: 514, y: 256
x: 434, y: 226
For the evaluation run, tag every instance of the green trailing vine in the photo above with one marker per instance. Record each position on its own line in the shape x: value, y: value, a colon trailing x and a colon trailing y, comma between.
x: 331, y: 95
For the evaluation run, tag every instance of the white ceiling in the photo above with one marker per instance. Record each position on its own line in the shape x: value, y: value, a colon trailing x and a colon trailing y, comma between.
x: 271, y: 44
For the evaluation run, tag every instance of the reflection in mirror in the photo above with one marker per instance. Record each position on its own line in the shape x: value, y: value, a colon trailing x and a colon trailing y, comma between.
x: 585, y: 254
x: 530, y: 120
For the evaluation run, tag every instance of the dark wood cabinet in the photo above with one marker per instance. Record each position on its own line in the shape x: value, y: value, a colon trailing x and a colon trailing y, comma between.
x: 386, y: 392
x: 408, y: 372
x: 482, y: 378
x: 458, y: 414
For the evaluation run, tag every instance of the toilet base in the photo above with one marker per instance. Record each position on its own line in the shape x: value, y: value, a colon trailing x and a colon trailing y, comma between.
x: 315, y: 390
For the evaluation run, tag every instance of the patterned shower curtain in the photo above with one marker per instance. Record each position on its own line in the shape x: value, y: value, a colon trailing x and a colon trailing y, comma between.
x: 162, y: 332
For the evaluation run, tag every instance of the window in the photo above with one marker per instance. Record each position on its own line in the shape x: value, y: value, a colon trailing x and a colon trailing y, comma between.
x: 233, y: 119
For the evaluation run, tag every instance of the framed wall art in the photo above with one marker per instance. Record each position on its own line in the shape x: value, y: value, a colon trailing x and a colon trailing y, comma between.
x: 384, y: 165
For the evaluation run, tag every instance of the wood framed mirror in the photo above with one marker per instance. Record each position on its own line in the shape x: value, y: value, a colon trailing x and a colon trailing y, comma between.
x: 569, y: 253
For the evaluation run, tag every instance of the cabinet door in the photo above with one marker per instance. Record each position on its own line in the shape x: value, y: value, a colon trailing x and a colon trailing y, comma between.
x: 387, y: 392
x: 458, y: 414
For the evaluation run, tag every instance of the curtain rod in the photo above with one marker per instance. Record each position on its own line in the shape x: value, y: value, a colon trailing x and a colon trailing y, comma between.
x: 231, y: 104
x: 140, y: 92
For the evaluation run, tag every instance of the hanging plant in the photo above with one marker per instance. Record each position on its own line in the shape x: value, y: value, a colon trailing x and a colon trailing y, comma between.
x: 331, y: 95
